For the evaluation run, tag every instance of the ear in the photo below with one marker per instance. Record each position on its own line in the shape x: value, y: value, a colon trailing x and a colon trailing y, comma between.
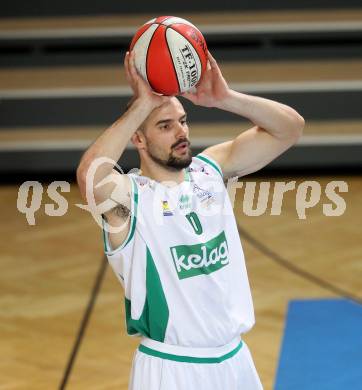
x: 139, y: 140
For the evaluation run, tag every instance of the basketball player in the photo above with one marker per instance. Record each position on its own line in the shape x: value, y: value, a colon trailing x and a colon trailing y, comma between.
x: 179, y: 256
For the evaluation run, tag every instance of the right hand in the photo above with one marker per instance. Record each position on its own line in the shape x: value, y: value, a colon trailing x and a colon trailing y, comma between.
x: 141, y: 90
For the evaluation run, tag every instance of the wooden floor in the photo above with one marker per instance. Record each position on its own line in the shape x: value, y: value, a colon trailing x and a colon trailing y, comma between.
x: 48, y: 272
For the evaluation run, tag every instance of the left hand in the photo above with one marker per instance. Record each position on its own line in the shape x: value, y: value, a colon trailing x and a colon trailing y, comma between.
x: 211, y: 89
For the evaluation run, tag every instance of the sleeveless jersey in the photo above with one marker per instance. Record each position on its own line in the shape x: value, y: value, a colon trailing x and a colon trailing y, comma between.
x: 182, y: 265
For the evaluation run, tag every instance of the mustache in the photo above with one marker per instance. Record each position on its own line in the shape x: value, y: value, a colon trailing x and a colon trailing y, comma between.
x: 180, y: 142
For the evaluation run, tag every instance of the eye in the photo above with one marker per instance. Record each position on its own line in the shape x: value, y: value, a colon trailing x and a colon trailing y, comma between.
x: 184, y: 122
x: 165, y: 126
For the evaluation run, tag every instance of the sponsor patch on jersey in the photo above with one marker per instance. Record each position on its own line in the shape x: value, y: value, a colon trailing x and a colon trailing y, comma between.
x: 206, y: 196
x: 202, y: 169
x: 205, y: 170
x: 200, y: 259
x: 144, y: 182
x: 166, y: 208
x: 184, y: 202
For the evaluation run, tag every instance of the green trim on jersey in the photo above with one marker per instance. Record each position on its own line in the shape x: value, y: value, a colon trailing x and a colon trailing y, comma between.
x: 133, y: 213
x: 104, y: 236
x: 187, y: 175
x: 134, y: 207
x: 154, y: 318
x: 189, y: 359
x: 211, y: 162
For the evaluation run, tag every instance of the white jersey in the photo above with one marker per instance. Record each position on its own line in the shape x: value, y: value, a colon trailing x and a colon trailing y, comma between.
x: 182, y: 265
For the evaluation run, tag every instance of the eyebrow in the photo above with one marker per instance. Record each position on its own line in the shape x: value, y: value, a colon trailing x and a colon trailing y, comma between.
x: 162, y: 121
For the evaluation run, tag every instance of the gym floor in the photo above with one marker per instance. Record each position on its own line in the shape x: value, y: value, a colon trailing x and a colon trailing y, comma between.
x: 61, y: 308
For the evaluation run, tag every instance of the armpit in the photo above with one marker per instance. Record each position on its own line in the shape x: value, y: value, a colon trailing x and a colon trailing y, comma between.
x: 122, y: 211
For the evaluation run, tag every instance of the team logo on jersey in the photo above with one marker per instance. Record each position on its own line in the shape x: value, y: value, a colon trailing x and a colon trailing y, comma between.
x: 198, y: 259
x: 166, y: 208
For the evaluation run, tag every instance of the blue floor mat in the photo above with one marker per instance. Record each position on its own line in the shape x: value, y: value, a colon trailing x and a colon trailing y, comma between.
x: 322, y: 346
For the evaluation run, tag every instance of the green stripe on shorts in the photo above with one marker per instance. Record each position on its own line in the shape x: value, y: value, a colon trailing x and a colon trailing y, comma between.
x: 189, y: 359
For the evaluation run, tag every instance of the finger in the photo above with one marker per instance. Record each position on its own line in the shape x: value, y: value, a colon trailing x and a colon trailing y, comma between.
x: 210, y: 57
x: 126, y: 66
x: 130, y: 72
x: 212, y: 60
x: 132, y: 66
x: 189, y: 96
x: 166, y: 99
x: 125, y: 62
x: 126, y: 58
x: 137, y: 78
x: 130, y: 57
x: 214, y: 66
x: 129, y: 78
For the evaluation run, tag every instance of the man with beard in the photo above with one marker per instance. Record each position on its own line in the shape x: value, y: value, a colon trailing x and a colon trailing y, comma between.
x: 170, y: 234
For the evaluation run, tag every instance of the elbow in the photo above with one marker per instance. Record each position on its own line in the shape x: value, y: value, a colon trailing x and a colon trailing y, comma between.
x: 296, y: 130
x: 81, y: 179
x: 80, y: 172
x: 300, y: 125
x: 296, y: 123
x: 80, y: 175
x: 300, y: 122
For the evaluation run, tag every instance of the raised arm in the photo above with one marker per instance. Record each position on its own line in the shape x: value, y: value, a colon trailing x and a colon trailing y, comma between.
x: 111, y: 145
x: 276, y: 126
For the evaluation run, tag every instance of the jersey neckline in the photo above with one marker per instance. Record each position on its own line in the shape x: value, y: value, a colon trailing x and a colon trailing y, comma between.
x: 187, y: 177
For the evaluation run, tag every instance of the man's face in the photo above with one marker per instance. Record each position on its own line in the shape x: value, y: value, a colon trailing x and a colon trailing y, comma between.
x: 167, y: 136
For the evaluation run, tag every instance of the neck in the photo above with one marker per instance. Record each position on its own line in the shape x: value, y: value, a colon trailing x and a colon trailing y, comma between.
x: 161, y: 174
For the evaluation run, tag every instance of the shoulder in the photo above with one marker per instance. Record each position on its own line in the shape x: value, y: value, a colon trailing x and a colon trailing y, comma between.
x: 203, y: 163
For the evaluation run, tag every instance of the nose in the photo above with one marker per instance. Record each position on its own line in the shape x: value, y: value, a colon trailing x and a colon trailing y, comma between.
x: 182, y: 131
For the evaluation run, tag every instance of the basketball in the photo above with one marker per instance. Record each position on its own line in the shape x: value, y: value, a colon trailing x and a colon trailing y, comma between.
x: 170, y: 54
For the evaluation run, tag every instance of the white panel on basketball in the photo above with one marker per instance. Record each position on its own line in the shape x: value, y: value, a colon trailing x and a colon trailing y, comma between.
x: 141, y: 48
x: 185, y: 59
x: 151, y: 21
x: 175, y: 19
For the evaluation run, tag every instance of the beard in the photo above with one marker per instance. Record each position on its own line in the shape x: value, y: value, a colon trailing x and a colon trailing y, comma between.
x: 172, y: 162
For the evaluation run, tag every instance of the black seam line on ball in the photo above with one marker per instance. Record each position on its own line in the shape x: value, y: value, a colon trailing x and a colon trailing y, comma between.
x: 164, y: 20
x: 148, y: 48
x: 174, y: 68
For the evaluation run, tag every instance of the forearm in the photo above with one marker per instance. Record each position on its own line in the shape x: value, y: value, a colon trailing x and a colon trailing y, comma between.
x: 113, y: 141
x: 276, y: 118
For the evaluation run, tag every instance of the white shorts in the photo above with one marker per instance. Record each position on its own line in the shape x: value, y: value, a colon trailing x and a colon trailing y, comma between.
x: 159, y: 366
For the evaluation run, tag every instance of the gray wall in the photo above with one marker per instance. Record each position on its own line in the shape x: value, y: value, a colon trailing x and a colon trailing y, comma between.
x: 23, y: 8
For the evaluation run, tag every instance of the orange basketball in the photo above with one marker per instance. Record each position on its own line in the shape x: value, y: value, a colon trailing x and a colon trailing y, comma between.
x: 170, y: 54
